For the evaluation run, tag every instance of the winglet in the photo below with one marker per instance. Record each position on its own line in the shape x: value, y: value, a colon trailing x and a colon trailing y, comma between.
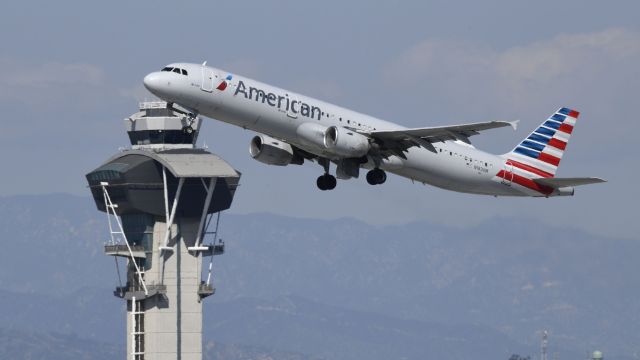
x: 514, y: 124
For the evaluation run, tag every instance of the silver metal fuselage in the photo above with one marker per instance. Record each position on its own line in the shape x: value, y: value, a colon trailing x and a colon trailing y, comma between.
x: 453, y: 166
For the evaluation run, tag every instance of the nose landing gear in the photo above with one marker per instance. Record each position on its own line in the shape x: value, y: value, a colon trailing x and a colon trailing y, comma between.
x: 190, y: 118
x: 376, y: 177
x: 188, y: 129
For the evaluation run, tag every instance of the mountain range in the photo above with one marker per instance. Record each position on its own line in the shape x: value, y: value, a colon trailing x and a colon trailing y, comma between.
x: 335, y: 289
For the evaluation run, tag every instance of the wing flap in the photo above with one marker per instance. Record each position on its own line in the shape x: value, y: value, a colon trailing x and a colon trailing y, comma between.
x: 441, y: 133
x: 402, y: 139
x: 565, y: 182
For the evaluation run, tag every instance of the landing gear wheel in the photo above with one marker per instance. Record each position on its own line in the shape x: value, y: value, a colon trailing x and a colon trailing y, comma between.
x: 188, y: 130
x: 321, y: 183
x: 376, y: 177
x: 326, y: 182
x: 370, y: 178
x: 331, y: 182
x: 383, y: 177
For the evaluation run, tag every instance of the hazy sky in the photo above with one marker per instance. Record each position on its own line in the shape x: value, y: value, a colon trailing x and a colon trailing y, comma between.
x: 71, y: 71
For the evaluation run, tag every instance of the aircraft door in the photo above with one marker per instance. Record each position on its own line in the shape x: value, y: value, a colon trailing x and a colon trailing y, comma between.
x: 507, y: 173
x: 207, y: 79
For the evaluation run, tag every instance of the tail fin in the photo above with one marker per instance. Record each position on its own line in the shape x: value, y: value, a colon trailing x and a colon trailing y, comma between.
x: 540, y: 153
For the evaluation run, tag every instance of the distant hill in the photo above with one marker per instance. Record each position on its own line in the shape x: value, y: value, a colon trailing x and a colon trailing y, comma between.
x: 217, y: 351
x: 17, y: 344
x: 506, y: 279
x: 289, y: 326
x: 331, y: 332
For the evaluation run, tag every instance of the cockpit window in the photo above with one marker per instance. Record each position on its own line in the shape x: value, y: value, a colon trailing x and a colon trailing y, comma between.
x: 175, y: 70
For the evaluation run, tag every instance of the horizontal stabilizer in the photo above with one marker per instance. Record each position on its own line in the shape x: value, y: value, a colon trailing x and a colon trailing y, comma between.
x: 565, y: 182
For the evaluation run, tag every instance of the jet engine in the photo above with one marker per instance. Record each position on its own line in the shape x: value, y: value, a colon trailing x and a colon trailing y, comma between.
x: 311, y: 135
x: 272, y: 151
x: 345, y: 142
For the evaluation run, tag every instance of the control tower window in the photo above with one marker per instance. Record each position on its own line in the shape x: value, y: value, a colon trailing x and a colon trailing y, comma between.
x: 104, y: 175
x: 146, y: 137
x: 167, y: 69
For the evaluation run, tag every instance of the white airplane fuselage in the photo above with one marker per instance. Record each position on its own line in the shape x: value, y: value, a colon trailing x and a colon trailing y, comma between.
x: 295, y: 119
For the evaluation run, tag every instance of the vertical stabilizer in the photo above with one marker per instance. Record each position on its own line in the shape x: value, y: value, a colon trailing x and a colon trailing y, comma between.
x: 540, y: 153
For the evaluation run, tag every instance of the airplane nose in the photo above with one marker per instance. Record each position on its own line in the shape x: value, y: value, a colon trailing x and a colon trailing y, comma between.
x: 153, y: 82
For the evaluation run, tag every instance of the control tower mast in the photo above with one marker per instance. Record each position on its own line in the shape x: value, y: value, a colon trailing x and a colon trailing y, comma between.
x: 543, y: 345
x: 160, y: 196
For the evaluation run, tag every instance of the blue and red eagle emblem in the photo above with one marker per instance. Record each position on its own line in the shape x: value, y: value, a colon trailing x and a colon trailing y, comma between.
x: 224, y: 83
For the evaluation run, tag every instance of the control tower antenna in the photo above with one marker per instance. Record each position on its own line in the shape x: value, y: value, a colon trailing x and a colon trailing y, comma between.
x: 160, y: 196
x: 543, y: 345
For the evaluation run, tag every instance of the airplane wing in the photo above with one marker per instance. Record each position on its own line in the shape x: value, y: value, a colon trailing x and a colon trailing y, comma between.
x: 398, y: 141
x: 564, y: 182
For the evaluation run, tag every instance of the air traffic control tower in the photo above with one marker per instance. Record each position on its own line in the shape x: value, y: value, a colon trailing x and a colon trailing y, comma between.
x: 160, y: 197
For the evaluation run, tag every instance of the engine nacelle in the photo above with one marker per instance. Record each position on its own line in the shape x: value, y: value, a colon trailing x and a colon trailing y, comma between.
x: 272, y: 151
x: 311, y: 135
x: 345, y: 142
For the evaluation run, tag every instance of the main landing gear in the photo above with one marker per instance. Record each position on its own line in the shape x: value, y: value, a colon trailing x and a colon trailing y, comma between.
x: 326, y: 182
x: 376, y: 177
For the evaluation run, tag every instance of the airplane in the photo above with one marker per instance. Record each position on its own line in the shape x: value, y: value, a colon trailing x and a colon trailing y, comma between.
x: 293, y: 128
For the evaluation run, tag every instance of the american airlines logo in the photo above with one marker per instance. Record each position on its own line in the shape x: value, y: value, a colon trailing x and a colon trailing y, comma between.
x: 280, y: 102
x: 224, y: 83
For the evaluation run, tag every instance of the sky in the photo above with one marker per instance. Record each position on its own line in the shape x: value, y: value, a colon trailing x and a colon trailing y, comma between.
x: 71, y: 71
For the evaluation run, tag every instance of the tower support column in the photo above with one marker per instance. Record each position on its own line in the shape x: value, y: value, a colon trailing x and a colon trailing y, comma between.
x: 173, y: 320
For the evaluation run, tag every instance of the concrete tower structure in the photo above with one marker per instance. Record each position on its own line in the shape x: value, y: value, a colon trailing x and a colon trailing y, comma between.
x: 160, y: 196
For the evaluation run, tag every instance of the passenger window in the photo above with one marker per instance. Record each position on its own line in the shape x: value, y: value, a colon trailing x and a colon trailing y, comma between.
x: 184, y: 72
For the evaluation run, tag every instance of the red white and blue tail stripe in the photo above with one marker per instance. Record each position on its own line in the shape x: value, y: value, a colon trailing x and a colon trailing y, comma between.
x: 538, y: 156
x: 540, y: 153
